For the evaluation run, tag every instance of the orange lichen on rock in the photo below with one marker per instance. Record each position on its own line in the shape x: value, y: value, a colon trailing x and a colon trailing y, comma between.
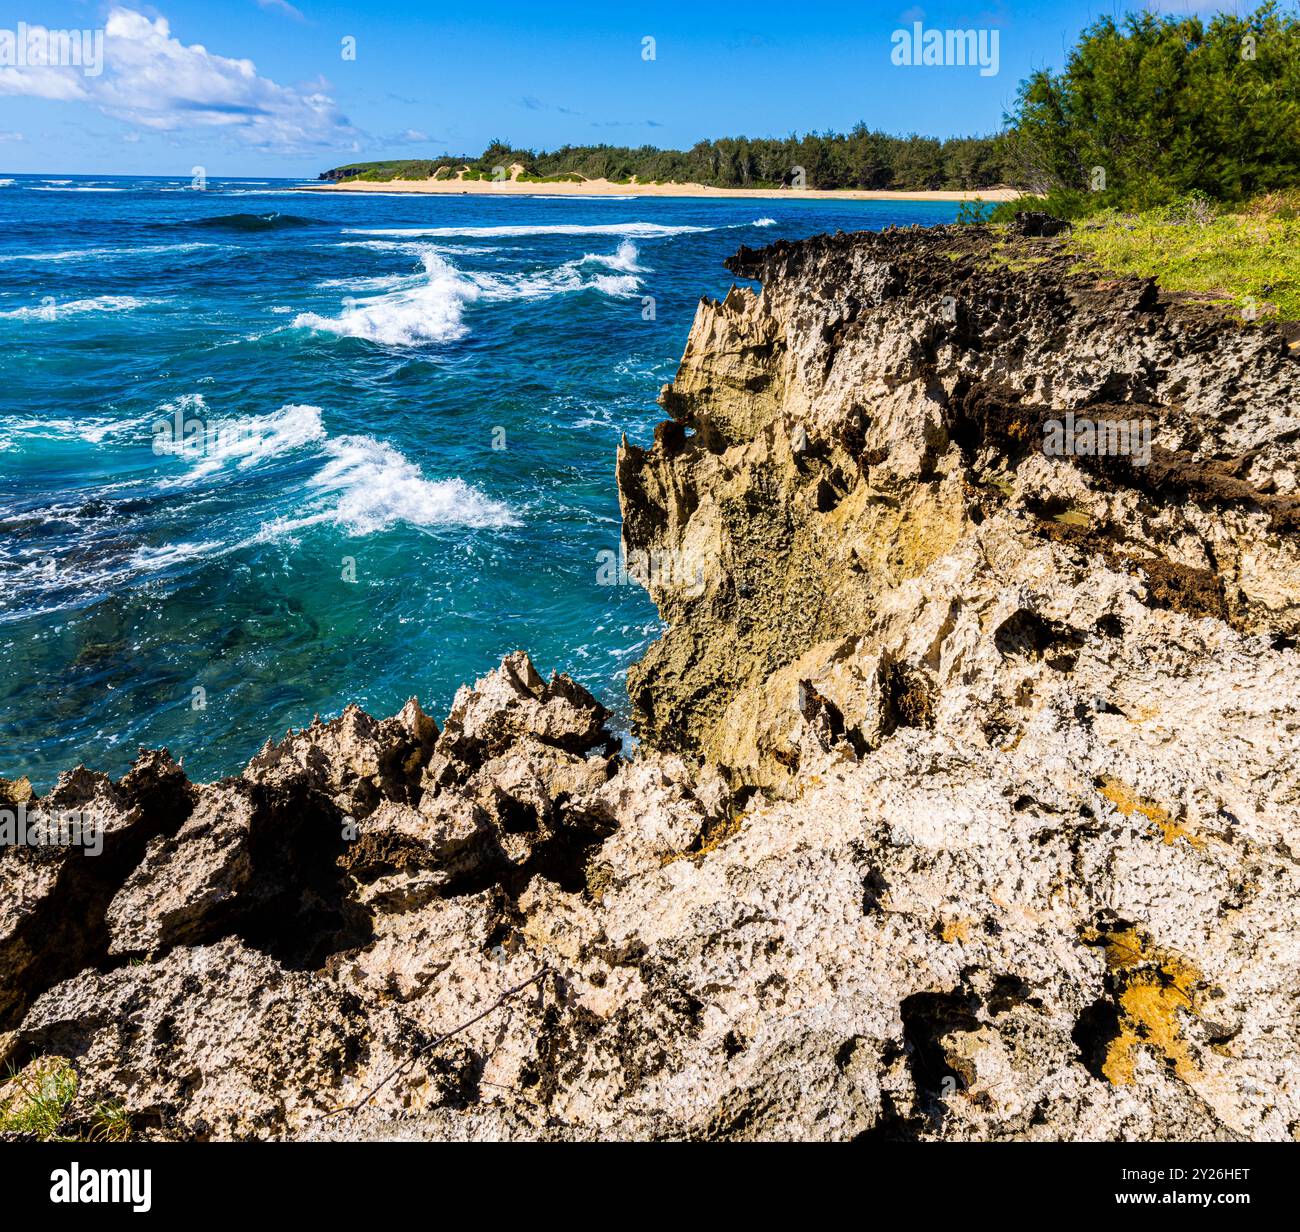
x: 1152, y: 988
x: 955, y: 930
x: 1129, y: 802
x: 710, y: 839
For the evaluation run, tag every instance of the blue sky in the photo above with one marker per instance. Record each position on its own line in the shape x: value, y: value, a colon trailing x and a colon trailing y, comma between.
x: 262, y: 86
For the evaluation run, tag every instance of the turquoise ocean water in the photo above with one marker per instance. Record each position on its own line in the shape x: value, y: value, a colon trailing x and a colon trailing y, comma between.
x: 265, y: 452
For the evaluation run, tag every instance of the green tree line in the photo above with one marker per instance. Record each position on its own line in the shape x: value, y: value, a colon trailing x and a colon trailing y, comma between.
x: 1150, y: 109
x: 863, y: 159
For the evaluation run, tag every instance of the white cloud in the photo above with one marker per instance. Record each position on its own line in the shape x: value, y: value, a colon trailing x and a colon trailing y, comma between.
x: 11, y: 137
x: 155, y: 81
x: 38, y: 81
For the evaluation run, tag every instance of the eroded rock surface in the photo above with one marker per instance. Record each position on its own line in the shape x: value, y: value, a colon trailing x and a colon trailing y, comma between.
x: 966, y: 803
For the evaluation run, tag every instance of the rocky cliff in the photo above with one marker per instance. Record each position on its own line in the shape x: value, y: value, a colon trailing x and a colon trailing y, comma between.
x: 965, y: 804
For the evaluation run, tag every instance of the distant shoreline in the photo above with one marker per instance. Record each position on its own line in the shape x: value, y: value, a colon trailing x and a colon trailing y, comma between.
x: 607, y: 188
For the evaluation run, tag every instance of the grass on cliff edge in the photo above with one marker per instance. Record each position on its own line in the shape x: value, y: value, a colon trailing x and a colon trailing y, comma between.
x: 1250, y: 255
x: 36, y: 1104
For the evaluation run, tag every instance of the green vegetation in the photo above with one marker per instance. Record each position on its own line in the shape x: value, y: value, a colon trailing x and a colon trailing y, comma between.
x: 861, y: 159
x: 572, y: 178
x: 38, y: 1100
x: 972, y: 212
x: 1250, y: 256
x: 397, y: 169
x: 110, y: 1122
x: 1151, y: 109
x: 1174, y: 146
x: 384, y: 172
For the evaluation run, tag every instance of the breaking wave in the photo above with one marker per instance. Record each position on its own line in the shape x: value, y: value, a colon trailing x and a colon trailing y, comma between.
x: 374, y: 485
x: 625, y: 259
x: 412, y: 316
x: 421, y: 309
x: 362, y: 485
x: 183, y: 428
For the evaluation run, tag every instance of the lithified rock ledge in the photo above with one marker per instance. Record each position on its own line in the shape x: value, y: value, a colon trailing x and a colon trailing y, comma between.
x: 965, y: 804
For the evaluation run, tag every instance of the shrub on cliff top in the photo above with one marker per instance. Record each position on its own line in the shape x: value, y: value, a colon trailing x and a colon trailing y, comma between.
x: 1153, y: 108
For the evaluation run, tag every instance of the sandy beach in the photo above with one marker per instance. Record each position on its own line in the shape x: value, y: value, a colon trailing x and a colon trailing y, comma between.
x: 606, y: 188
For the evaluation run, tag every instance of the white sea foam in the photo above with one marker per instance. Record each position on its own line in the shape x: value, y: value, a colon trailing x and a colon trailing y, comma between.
x: 78, y: 573
x: 381, y: 282
x: 183, y: 428
x: 99, y: 254
x: 619, y: 287
x: 429, y: 311
x: 6, y: 183
x: 94, y: 430
x: 418, y: 249
x: 544, y: 284
x: 582, y: 197
x: 70, y: 308
x: 373, y: 485
x: 427, y: 308
x: 566, y: 278
x: 629, y: 230
x: 625, y: 259
x: 151, y: 559
x: 363, y: 485
x: 763, y: 222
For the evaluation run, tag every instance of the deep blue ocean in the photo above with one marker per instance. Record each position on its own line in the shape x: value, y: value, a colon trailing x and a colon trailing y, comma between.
x: 266, y: 452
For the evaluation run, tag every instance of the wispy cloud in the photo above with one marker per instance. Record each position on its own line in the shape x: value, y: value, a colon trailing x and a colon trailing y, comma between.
x: 155, y: 81
x: 282, y: 7
x: 11, y: 138
x: 532, y: 103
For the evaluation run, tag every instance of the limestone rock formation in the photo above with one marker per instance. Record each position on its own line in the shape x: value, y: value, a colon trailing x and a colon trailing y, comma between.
x: 965, y: 804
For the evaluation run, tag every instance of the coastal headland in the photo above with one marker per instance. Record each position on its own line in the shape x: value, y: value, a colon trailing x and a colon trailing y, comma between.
x: 964, y: 803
